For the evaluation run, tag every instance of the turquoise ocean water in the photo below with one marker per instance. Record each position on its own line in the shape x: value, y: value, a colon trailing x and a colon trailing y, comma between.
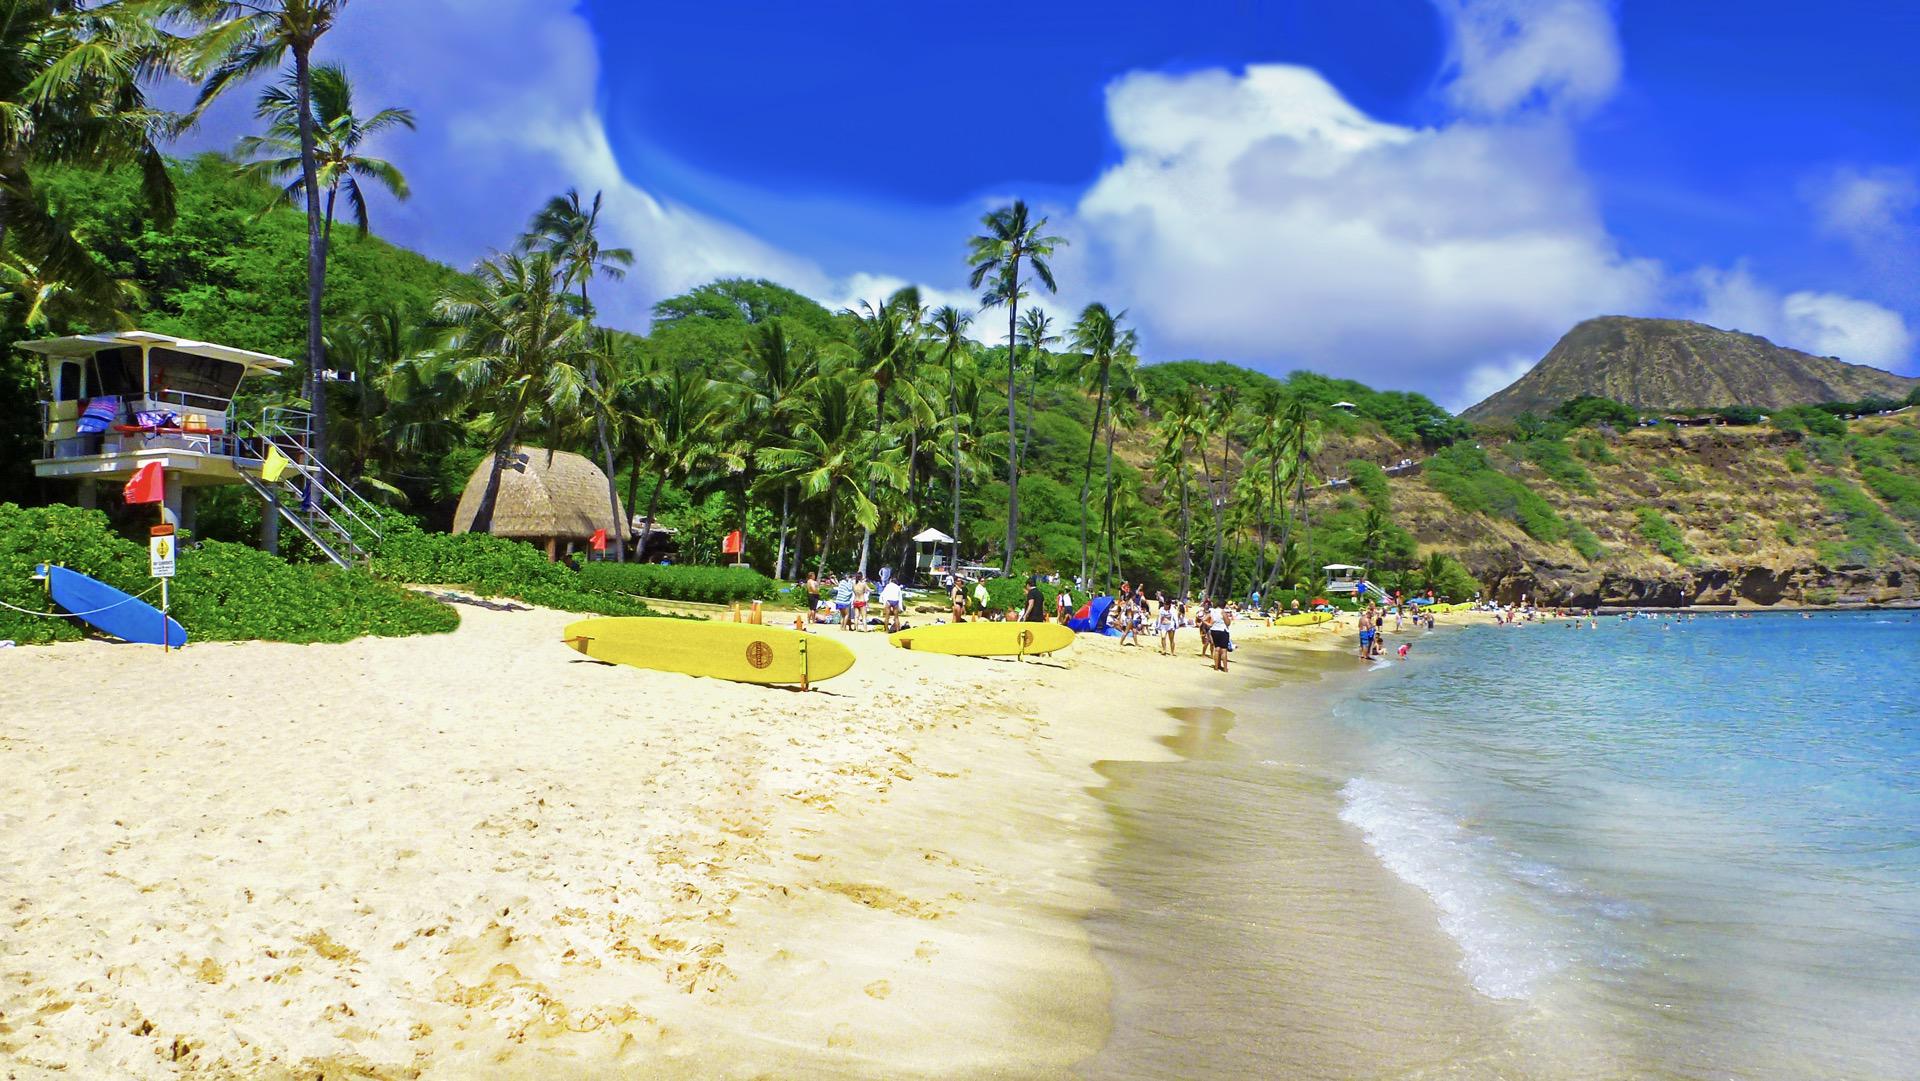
x: 1657, y: 848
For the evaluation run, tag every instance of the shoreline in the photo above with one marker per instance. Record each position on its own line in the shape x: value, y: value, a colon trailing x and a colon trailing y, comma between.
x: 479, y: 853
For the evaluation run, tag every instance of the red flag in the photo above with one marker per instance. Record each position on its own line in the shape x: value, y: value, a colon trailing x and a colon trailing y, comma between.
x: 148, y: 485
x: 599, y: 540
x: 731, y: 546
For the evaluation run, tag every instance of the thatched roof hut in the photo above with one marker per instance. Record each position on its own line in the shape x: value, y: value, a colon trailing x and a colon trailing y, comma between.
x: 552, y: 498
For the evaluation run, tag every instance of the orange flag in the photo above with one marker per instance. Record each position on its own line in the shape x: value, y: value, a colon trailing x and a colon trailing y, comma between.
x: 148, y: 485
x: 731, y: 546
x: 599, y: 540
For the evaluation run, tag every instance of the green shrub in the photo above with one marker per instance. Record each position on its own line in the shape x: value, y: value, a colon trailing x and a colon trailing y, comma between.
x: 492, y: 566
x: 1665, y: 538
x: 1786, y: 532
x: 1869, y: 532
x: 704, y: 585
x: 1591, y: 410
x: 1585, y: 542
x: 1556, y: 460
x: 1594, y: 449
x: 1901, y: 493
x: 1463, y: 474
x: 222, y: 592
x: 1808, y: 418
x: 1371, y: 482
x: 1011, y: 592
x: 1672, y: 477
x: 1796, y: 462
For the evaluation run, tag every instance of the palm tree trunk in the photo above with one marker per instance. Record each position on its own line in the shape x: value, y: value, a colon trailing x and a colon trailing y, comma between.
x: 1086, y: 473
x: 1013, y: 456
x: 1026, y: 428
x: 826, y: 539
x: 646, y: 530
x: 1187, y: 552
x: 866, y: 539
x: 483, y: 514
x: 953, y: 411
x: 1106, y: 514
x: 780, y: 554
x: 317, y: 260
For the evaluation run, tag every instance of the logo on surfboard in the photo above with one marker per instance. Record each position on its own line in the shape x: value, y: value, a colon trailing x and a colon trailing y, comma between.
x: 759, y: 654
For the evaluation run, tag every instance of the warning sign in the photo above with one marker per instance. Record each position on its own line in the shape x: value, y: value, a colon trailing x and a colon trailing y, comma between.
x: 160, y: 551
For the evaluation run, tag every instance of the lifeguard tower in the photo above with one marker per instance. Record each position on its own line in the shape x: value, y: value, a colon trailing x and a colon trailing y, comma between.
x: 1346, y: 580
x: 118, y: 401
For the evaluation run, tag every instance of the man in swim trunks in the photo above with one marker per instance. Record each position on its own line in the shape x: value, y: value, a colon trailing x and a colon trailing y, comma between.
x: 862, y: 589
x: 1366, y: 635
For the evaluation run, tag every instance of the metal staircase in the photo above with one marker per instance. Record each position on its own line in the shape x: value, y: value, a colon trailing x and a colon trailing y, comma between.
x: 308, y: 495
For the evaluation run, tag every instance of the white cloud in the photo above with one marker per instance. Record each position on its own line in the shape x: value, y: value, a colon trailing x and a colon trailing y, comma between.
x: 1825, y: 324
x: 1261, y: 216
x: 1865, y: 206
x: 1486, y: 380
x: 1513, y: 54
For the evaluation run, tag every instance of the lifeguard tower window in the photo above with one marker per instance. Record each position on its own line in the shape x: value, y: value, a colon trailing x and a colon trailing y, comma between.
x: 69, y: 388
x: 183, y: 373
x: 116, y: 372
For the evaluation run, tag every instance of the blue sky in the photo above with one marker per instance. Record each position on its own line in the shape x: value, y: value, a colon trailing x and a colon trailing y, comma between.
x: 1418, y: 193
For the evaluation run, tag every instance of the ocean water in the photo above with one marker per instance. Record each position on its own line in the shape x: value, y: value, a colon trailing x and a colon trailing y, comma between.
x: 1685, y: 849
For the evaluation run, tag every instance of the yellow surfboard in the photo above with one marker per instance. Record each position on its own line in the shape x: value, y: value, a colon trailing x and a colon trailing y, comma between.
x: 1303, y: 619
x: 741, y: 652
x: 985, y: 639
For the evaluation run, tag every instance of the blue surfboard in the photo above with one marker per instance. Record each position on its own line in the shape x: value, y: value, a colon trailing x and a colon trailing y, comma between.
x: 110, y: 611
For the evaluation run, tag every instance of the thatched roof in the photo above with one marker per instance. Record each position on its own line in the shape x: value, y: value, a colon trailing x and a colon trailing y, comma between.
x: 541, y: 495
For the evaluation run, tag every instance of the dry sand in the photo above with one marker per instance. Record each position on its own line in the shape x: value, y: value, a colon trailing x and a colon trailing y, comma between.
x: 480, y: 854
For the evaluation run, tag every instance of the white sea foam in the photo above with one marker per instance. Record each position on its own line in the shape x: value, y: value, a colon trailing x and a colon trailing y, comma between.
x: 1480, y: 905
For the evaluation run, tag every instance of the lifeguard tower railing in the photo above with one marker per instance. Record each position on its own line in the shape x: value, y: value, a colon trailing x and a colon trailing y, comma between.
x: 309, y: 496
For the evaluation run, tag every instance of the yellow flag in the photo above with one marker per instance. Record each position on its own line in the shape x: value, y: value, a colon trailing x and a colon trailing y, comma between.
x: 275, y: 466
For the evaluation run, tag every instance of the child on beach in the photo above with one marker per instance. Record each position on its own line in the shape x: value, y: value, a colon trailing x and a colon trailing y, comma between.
x: 1128, y: 633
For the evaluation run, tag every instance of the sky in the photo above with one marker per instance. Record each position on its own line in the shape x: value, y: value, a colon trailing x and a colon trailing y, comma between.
x: 1421, y: 194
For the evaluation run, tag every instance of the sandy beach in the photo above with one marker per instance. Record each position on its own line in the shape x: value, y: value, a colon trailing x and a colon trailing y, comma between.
x: 480, y: 854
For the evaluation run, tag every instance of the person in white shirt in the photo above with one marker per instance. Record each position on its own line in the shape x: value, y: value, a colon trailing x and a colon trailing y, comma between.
x: 893, y: 599
x: 1222, y: 637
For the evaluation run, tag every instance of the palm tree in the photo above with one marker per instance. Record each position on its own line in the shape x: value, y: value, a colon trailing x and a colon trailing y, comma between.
x: 516, y: 348
x: 883, y: 338
x: 72, y: 92
x: 1179, y: 425
x: 683, y: 431
x: 1268, y: 446
x: 832, y: 456
x: 948, y: 328
x: 339, y: 136
x: 1096, y: 336
x: 1298, y: 443
x: 1011, y: 236
x: 1036, y: 333
x: 769, y: 390
x: 1122, y: 411
x: 570, y: 231
x: 234, y: 41
x: 1222, y: 412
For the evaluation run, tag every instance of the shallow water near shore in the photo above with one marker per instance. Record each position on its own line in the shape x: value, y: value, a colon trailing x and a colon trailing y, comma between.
x: 1652, y: 849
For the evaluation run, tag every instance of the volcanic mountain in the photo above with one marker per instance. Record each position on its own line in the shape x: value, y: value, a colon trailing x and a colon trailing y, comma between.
x: 1672, y: 364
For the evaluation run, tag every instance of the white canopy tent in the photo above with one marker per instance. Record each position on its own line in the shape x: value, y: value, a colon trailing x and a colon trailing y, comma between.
x: 926, y: 551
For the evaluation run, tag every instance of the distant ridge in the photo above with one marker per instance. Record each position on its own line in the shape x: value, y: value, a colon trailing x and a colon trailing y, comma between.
x: 1668, y: 364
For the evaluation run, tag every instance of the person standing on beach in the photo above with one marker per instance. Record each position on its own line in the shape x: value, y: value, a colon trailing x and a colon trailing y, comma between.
x: 1036, y: 609
x: 1366, y: 635
x: 812, y: 591
x: 894, y: 600
x: 957, y: 596
x: 1062, y: 606
x: 862, y: 589
x: 1221, y: 637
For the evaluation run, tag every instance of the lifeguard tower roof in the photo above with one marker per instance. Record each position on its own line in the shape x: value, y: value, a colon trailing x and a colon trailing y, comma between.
x: 80, y: 345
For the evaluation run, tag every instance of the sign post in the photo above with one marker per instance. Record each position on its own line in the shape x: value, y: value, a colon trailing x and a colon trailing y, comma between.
x: 160, y: 558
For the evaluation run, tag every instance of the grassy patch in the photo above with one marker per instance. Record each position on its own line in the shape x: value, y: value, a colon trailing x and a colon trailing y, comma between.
x: 493, y: 566
x: 1469, y: 481
x: 1556, y: 460
x: 1664, y: 536
x: 1870, y: 533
